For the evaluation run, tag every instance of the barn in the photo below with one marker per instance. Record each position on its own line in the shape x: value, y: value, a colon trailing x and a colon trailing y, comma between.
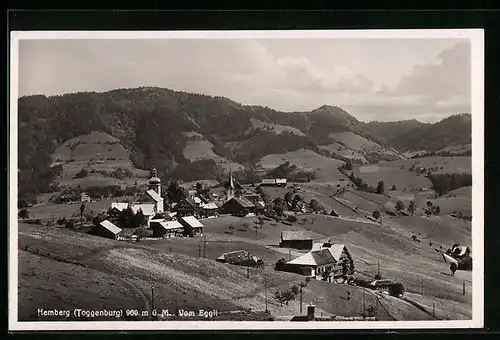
x: 106, y: 229
x: 296, y: 239
x: 239, y: 206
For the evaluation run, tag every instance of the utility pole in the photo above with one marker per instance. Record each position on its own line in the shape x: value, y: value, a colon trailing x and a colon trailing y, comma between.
x: 289, y: 254
x: 199, y: 249
x: 433, y: 309
x: 364, y: 303
x: 378, y: 268
x: 265, y: 290
x: 463, y: 289
x: 152, y: 299
x: 204, y: 246
x: 422, y: 288
x: 301, y: 298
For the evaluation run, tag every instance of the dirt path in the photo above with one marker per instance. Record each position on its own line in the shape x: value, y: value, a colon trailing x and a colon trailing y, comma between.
x: 144, y: 298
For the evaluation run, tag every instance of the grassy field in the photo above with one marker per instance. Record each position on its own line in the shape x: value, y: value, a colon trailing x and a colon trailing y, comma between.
x: 342, y: 151
x: 202, y: 149
x: 53, y: 210
x: 96, y: 151
x: 354, y: 141
x: 277, y: 128
x: 326, y: 168
x: 123, y: 275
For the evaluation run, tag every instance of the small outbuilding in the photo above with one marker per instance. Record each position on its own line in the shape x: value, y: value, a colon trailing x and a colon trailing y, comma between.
x: 106, y: 229
x: 296, y: 239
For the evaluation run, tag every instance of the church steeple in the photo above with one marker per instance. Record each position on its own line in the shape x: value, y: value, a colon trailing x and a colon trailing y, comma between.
x: 230, y: 189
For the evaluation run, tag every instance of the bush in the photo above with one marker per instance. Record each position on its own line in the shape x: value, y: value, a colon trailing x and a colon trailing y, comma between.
x: 291, y: 218
x: 70, y: 224
x: 81, y: 174
x: 396, y: 290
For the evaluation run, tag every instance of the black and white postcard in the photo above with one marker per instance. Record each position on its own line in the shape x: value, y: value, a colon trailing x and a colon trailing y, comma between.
x: 246, y: 180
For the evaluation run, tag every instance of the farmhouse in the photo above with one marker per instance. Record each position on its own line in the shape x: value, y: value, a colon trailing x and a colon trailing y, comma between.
x: 85, y: 198
x: 120, y: 206
x: 239, y: 206
x: 241, y: 258
x: 168, y: 229
x: 187, y: 207
x: 330, y: 262
x: 296, y: 239
x: 192, y: 227
x: 106, y: 229
x: 210, y: 210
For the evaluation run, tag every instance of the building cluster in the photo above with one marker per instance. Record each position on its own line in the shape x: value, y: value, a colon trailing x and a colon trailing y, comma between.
x: 182, y: 218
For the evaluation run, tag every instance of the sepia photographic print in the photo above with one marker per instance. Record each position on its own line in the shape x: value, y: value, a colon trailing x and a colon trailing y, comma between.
x: 246, y: 180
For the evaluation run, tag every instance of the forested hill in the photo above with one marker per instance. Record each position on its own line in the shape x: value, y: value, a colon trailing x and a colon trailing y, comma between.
x: 150, y: 122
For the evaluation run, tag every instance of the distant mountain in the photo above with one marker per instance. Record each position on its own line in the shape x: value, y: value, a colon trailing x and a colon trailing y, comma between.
x: 151, y: 123
x: 411, y: 135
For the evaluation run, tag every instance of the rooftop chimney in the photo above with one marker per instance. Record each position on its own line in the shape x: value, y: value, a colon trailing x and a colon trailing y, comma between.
x: 310, y: 312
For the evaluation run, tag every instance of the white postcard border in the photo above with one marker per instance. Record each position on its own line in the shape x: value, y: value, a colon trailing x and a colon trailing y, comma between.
x: 475, y: 36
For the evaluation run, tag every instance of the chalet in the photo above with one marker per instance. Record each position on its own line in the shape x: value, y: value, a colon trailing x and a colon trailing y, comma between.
x: 106, y: 229
x: 85, y: 198
x: 210, y: 210
x: 167, y: 229
x: 192, y: 227
x: 330, y: 262
x: 241, y: 258
x: 296, y: 239
x: 187, y: 207
x: 239, y: 206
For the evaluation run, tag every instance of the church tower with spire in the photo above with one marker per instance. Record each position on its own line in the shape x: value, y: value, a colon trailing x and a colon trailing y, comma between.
x: 230, y: 189
x: 155, y: 182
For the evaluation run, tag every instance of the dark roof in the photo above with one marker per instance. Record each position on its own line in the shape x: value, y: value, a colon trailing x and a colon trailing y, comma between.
x: 323, y: 257
x: 189, y: 201
x: 242, y: 202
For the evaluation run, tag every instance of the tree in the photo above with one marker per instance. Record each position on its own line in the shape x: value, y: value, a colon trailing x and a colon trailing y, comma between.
x: 175, y: 192
x: 380, y: 188
x: 348, y: 164
x: 292, y: 218
x: 139, y: 219
x: 376, y: 214
x: 412, y: 206
x: 393, y: 187
x: 280, y: 264
x: 279, y: 296
x: 81, y: 174
x: 126, y: 218
x: 82, y: 209
x: 70, y: 224
x: 24, y: 213
x: 315, y: 205
x: 399, y: 206
x: 259, y: 190
x: 295, y: 289
x: 437, y: 210
x: 396, y: 289
x: 289, y: 197
x: 453, y: 268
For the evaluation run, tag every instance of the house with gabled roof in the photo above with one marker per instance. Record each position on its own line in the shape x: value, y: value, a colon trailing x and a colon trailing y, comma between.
x: 241, y: 258
x: 167, y: 229
x: 239, y: 206
x: 298, y: 239
x: 106, y: 229
x: 192, y: 227
x: 325, y: 261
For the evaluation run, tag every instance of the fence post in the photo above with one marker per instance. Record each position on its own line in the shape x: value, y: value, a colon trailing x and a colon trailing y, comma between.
x: 463, y: 289
x: 433, y: 309
x: 422, y: 287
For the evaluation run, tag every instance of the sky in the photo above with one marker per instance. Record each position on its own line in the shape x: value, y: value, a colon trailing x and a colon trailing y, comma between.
x: 372, y: 79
